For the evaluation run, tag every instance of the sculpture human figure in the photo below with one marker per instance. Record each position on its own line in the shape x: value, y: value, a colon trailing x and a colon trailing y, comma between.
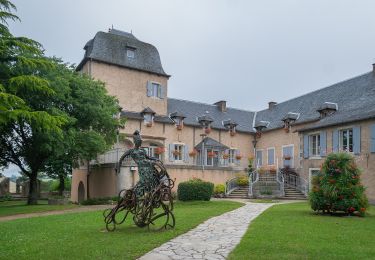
x: 151, y: 170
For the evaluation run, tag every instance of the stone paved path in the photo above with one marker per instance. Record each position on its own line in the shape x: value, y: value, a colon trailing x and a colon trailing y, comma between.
x: 56, y: 212
x: 213, y: 239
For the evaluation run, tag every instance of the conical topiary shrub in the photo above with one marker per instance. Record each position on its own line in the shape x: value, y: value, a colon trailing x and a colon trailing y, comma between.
x: 338, y: 188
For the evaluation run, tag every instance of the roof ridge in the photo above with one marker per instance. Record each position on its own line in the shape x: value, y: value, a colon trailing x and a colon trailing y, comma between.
x: 202, y: 103
x: 320, y: 89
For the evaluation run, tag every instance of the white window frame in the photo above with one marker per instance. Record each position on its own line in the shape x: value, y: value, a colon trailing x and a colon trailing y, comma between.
x: 274, y: 156
x: 148, y: 118
x: 156, y: 88
x: 180, y: 147
x: 130, y: 53
x: 310, y: 176
x: 150, y: 151
x: 341, y: 139
x: 256, y: 157
x: 282, y: 154
x: 232, y: 156
x: 318, y: 145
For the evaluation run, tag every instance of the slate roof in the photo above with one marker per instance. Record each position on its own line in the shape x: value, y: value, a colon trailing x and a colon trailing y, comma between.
x: 110, y: 47
x: 193, y: 110
x: 208, y: 141
x: 355, y: 98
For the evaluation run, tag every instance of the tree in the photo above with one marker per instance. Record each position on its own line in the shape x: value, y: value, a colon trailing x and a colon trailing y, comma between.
x: 338, y: 186
x: 48, y: 112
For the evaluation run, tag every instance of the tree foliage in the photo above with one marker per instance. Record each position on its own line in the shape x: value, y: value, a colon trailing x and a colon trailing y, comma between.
x: 338, y: 186
x: 50, y: 115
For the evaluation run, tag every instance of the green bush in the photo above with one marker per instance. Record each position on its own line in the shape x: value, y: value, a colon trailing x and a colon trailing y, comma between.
x: 242, y: 180
x: 195, y: 189
x: 219, y: 189
x: 100, y: 201
x: 54, y: 185
x: 5, y: 197
x: 338, y: 187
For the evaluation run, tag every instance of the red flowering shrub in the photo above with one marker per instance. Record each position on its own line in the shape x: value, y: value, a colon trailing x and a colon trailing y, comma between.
x: 338, y: 187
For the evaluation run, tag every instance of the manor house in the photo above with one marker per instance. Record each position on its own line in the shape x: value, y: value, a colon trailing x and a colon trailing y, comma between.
x: 214, y: 142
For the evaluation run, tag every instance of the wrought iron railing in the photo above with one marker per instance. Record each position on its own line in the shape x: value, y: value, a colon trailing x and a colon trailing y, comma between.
x: 231, y: 185
x: 253, y: 179
x: 281, y: 181
x: 294, y: 181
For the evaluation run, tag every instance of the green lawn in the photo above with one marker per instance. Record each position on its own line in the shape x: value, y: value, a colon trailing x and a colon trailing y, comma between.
x: 294, y: 231
x: 82, y: 235
x: 8, y: 208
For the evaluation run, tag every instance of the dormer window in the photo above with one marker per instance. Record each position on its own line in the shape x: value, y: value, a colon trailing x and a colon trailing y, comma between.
x: 130, y: 53
x: 148, y: 116
x: 231, y: 126
x: 328, y: 108
x: 289, y: 119
x: 260, y: 126
x: 205, y: 121
x: 178, y: 119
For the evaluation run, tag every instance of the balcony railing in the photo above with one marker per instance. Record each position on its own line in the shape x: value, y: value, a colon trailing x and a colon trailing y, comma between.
x: 111, y: 156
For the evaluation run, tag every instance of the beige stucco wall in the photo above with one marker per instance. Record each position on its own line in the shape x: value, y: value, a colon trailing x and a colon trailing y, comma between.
x: 167, y: 134
x: 129, y: 86
x: 78, y: 175
x: 365, y: 160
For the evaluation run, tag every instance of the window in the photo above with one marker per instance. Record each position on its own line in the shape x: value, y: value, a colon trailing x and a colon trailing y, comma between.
x: 148, y: 118
x: 271, y: 156
x: 232, y: 156
x: 346, y: 140
x: 178, y: 152
x: 314, y: 145
x: 212, y: 157
x: 151, y: 151
x: 130, y: 53
x: 259, y: 157
x: 288, y: 156
x: 313, y: 172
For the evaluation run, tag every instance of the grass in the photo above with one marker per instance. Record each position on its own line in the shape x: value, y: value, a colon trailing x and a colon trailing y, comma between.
x: 82, y: 235
x: 8, y: 208
x: 294, y: 231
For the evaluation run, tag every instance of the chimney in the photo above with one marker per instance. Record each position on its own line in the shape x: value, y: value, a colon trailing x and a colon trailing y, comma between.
x: 221, y: 105
x: 271, y: 104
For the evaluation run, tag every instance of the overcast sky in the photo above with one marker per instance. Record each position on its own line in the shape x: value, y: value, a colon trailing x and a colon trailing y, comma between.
x: 245, y: 52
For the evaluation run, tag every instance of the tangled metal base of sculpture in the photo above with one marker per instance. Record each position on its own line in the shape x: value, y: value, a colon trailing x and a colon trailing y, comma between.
x: 150, y: 201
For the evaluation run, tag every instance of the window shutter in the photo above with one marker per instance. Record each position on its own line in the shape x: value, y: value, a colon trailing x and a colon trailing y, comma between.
x: 149, y: 88
x: 161, y: 91
x: 335, y: 141
x: 357, y: 140
x: 372, y: 138
x: 323, y: 143
x: 306, y: 146
x: 186, y: 154
x: 236, y: 152
x: 170, y: 152
x: 226, y: 161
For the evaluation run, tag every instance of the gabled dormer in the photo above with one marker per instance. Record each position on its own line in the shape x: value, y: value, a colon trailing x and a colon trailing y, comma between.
x: 327, y: 108
x: 289, y: 119
x: 178, y: 119
x: 231, y: 126
x: 205, y: 121
x: 148, y: 116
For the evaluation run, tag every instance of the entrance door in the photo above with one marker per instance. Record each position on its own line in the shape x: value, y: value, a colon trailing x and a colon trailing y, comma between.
x: 81, y: 192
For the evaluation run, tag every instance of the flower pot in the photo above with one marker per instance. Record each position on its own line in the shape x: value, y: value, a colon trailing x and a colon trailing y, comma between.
x: 207, y: 130
x: 179, y: 127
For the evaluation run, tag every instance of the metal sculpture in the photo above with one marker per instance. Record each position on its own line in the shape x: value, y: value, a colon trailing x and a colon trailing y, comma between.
x: 150, y: 200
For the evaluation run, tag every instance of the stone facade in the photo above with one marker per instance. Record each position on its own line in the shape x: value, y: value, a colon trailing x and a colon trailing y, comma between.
x: 275, y: 148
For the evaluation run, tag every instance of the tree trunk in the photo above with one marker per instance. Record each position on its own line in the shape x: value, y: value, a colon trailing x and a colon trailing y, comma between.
x: 33, y: 189
x: 61, y: 185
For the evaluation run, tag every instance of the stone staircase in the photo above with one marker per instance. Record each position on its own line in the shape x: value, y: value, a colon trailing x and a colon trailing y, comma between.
x: 239, y: 193
x: 293, y: 194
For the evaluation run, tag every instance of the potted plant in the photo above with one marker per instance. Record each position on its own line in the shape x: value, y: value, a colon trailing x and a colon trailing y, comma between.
x: 225, y: 156
x: 286, y: 129
x: 149, y: 124
x: 258, y: 134
x: 207, y: 130
x: 287, y: 157
x: 238, y: 157
x: 193, y: 153
x: 232, y: 133
x: 211, y: 154
x: 176, y: 153
x: 160, y: 150
x: 179, y: 127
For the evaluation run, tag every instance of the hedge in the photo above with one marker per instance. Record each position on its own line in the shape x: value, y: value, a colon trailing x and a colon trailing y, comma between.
x: 195, y: 189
